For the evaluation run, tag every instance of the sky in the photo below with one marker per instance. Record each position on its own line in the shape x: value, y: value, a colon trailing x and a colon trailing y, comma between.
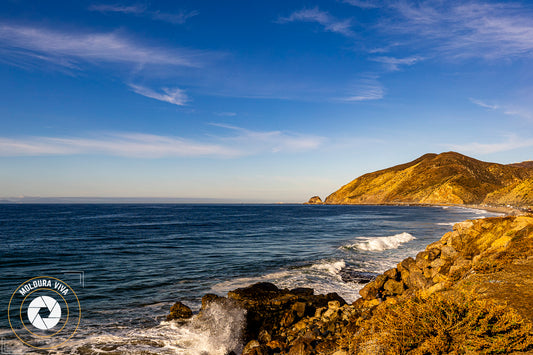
x: 254, y: 101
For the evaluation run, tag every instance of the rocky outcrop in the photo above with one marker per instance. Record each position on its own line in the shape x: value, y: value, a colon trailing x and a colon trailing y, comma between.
x: 315, y: 200
x: 468, y: 248
x: 446, y: 178
x: 272, y: 312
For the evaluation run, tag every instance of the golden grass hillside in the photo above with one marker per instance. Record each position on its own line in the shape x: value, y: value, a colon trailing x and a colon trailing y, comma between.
x: 446, y: 178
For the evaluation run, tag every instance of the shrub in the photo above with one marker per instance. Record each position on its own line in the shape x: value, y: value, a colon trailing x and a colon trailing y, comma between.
x: 444, y: 323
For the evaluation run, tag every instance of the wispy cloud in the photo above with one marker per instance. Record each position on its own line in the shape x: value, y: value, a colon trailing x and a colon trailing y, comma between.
x: 125, y: 9
x: 505, y: 109
x: 484, y: 104
x: 271, y: 141
x: 179, y: 18
x: 173, y: 96
x: 394, y: 64
x: 69, y: 48
x: 364, y: 4
x: 512, y: 142
x: 466, y: 30
x: 328, y: 22
x: 142, y: 10
x: 226, y: 114
x: 242, y: 142
x: 365, y: 90
x: 126, y: 145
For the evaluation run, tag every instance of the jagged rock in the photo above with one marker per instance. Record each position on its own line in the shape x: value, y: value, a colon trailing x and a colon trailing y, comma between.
x: 179, y: 311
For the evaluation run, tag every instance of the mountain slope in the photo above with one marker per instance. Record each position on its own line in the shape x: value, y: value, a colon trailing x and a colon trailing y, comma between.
x: 444, y: 178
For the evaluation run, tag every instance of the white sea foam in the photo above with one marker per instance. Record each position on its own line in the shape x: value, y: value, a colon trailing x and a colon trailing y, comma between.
x: 323, y: 277
x: 380, y: 243
x: 217, y: 332
x: 446, y: 223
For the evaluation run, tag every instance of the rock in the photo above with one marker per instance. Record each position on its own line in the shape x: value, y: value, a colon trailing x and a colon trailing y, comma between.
x: 371, y: 289
x: 462, y: 226
x: 276, y: 346
x: 315, y: 200
x: 208, y: 298
x: 288, y: 319
x: 393, y: 288
x: 406, y: 264
x: 258, y: 291
x: 254, y: 348
x: 459, y: 267
x: 251, y: 345
x: 334, y: 305
x: 438, y: 266
x: 264, y: 337
x: 301, y: 347
x: 422, y: 259
x: 417, y: 280
x: 302, y: 291
x: 435, y: 288
x: 349, y: 274
x: 392, y: 274
x: 299, y: 308
x: 179, y: 311
x: 448, y: 252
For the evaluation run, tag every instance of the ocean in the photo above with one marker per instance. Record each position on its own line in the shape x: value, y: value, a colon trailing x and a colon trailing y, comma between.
x: 128, y: 263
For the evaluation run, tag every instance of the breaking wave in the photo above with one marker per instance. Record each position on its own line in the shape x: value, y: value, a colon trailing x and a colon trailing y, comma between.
x: 323, y: 277
x: 380, y: 243
x: 218, y: 331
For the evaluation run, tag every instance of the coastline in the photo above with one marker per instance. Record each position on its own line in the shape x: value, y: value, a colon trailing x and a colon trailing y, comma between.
x: 507, y: 210
x: 458, y: 271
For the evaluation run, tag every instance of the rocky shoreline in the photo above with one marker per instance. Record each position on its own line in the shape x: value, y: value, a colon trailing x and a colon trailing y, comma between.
x: 438, y: 302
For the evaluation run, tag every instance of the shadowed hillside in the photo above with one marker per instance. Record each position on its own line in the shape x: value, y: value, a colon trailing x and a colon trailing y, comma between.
x: 444, y: 178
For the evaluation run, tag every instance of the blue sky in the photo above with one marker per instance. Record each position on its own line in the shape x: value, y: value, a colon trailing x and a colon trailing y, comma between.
x: 254, y: 100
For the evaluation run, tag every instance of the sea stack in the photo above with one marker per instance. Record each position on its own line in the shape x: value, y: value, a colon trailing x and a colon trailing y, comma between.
x: 315, y: 200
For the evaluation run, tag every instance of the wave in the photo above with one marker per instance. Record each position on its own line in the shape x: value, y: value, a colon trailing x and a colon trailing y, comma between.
x: 324, y: 276
x: 217, y: 332
x: 380, y: 243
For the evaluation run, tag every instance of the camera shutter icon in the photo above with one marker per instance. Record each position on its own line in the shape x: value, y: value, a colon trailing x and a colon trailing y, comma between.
x: 34, y: 312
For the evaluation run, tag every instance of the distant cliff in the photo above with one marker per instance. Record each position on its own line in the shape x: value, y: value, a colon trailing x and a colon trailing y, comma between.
x: 446, y: 178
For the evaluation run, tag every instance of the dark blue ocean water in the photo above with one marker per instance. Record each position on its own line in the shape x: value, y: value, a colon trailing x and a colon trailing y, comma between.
x: 136, y: 260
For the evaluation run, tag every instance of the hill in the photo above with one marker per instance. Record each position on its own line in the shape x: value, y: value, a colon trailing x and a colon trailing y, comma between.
x: 446, y: 178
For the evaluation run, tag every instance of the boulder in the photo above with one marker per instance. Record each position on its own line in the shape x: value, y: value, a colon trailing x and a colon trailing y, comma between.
x: 179, y: 311
x: 393, y: 287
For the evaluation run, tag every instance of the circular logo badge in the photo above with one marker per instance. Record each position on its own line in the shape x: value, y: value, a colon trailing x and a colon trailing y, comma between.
x: 44, y: 312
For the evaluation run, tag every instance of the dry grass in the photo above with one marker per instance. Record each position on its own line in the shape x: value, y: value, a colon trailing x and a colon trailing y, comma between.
x: 445, y: 323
